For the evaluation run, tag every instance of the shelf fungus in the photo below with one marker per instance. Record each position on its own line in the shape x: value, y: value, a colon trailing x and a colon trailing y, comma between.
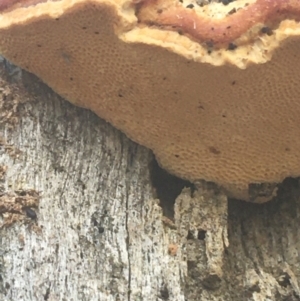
x: 212, y: 87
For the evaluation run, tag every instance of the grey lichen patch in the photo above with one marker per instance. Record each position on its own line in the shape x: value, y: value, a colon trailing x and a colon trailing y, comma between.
x: 17, y: 206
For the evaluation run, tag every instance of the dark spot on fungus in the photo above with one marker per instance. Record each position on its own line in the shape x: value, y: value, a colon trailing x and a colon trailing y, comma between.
x: 232, y: 46
x: 225, y: 2
x: 190, y: 6
x: 232, y: 11
x: 266, y: 30
x: 214, y: 150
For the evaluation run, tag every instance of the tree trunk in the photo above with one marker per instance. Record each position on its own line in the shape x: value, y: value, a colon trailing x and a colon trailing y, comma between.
x: 86, y: 214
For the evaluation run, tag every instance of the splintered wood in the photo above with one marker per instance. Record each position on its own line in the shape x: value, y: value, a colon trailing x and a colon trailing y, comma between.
x: 201, y: 220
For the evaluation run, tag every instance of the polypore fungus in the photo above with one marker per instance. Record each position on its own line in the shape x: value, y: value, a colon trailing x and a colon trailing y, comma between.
x: 213, y: 90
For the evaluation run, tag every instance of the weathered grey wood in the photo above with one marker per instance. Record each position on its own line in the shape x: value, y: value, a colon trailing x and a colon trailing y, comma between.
x: 100, y: 234
x: 91, y: 180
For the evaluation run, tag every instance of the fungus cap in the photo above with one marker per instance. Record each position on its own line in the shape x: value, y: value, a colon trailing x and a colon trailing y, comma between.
x: 208, y: 111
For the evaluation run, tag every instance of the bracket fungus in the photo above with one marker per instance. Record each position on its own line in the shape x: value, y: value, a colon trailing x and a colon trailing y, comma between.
x: 212, y: 89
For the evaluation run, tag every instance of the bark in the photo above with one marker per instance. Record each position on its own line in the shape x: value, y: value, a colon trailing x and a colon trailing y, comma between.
x: 86, y: 214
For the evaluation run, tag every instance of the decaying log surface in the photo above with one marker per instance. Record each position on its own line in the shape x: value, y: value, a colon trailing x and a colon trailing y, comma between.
x: 87, y: 215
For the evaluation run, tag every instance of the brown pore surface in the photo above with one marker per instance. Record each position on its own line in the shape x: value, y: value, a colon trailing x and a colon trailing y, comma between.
x: 202, y: 115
